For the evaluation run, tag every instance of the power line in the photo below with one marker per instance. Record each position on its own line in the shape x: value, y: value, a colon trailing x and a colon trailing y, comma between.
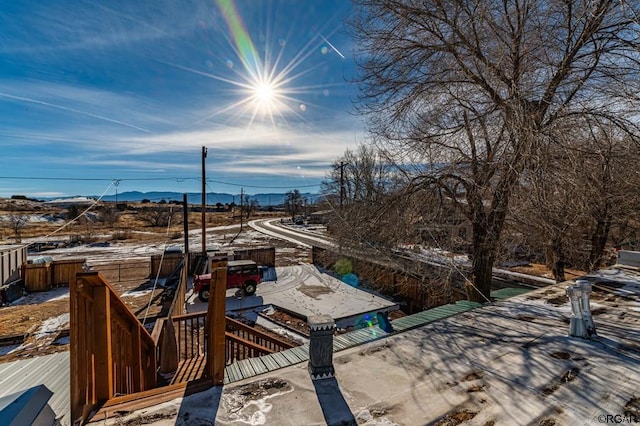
x: 262, y: 186
x: 177, y: 179
x: 87, y: 179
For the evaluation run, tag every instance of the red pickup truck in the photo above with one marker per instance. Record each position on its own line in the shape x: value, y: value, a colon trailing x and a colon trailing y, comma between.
x: 242, y: 274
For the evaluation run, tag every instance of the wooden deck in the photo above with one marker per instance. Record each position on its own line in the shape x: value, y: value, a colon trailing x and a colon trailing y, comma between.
x: 189, y: 370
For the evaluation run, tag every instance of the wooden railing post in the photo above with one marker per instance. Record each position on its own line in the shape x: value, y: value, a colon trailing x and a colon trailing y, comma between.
x: 216, y: 321
x: 138, y: 371
x: 103, y: 364
x: 169, y: 357
x: 80, y: 385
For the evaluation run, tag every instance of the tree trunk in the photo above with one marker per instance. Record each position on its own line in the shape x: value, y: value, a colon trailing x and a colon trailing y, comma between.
x: 482, y: 274
x: 599, y: 239
x: 554, y: 259
x: 487, y: 227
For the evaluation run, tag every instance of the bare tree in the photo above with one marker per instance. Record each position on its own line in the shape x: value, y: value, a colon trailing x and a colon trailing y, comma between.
x: 157, y: 216
x: 580, y: 200
x: 547, y: 207
x: 610, y: 180
x: 463, y: 95
x: 109, y: 215
x: 358, y: 175
x: 248, y: 206
x: 372, y: 209
x: 293, y: 202
x: 16, y: 223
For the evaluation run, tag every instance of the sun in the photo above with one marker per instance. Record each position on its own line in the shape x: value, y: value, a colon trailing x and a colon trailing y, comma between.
x: 264, y: 93
x: 266, y: 98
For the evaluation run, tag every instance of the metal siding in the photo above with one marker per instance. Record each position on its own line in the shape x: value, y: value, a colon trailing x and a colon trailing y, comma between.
x: 51, y: 370
x: 11, y: 259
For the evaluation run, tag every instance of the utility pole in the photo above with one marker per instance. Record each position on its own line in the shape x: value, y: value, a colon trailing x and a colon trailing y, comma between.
x: 116, y: 183
x: 185, y: 223
x: 185, y: 261
x: 204, y: 202
x: 241, y: 213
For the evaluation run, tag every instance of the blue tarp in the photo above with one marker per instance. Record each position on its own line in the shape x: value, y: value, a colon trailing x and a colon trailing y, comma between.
x: 268, y: 273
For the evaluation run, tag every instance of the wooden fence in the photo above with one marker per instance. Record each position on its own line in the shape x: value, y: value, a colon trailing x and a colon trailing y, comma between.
x: 166, y: 264
x: 111, y: 352
x: 11, y: 259
x: 44, y: 276
x: 37, y: 276
x: 63, y: 272
x: 262, y: 255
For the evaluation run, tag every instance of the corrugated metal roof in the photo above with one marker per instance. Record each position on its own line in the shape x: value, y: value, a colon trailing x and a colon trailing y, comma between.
x: 53, y: 371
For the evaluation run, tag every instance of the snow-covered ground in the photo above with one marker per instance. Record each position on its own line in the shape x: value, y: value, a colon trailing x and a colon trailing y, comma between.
x: 507, y: 363
x: 37, y: 298
x: 306, y: 290
x: 120, y: 251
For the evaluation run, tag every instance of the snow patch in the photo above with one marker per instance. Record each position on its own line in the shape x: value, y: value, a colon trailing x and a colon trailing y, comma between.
x: 43, y: 297
x: 52, y: 325
x: 136, y: 293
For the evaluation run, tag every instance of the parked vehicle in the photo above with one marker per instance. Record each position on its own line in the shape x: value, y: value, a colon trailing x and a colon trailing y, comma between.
x: 242, y: 274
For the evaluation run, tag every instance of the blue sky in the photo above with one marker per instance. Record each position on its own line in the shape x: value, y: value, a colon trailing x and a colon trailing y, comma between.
x: 131, y: 91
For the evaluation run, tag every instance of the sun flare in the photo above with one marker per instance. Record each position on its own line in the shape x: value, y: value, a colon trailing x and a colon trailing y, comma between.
x: 265, y: 93
x: 265, y: 98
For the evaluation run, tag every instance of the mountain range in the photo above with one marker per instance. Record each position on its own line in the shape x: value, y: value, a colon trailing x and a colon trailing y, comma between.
x: 269, y: 199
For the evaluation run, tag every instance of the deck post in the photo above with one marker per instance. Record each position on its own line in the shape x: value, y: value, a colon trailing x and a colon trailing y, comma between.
x: 216, y: 320
x: 103, y: 364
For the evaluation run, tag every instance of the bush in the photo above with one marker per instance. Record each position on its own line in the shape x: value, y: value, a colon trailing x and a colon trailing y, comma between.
x: 343, y: 266
x: 121, y: 235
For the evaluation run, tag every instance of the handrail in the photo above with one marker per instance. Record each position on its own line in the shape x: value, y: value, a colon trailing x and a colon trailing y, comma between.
x: 183, y: 317
x: 111, y: 352
x: 156, y: 333
x: 248, y: 343
x: 256, y: 336
x: 241, y: 340
x: 236, y: 349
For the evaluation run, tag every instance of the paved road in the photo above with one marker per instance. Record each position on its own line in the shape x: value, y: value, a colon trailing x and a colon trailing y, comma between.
x: 274, y: 228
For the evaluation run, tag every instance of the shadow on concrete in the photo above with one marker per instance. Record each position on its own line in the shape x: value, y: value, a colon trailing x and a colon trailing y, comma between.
x: 199, y: 407
x: 334, y: 408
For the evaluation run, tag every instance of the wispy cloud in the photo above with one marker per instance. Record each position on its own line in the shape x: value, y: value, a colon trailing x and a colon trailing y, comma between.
x: 75, y: 107
x: 258, y: 136
x: 51, y: 27
x: 73, y: 110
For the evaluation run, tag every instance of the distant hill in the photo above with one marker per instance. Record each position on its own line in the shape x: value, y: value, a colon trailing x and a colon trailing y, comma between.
x: 269, y: 199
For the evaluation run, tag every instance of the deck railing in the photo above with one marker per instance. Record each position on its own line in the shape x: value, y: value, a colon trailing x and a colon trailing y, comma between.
x: 249, y: 342
x: 241, y: 340
x: 111, y: 352
x: 190, y: 334
x: 114, y: 358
